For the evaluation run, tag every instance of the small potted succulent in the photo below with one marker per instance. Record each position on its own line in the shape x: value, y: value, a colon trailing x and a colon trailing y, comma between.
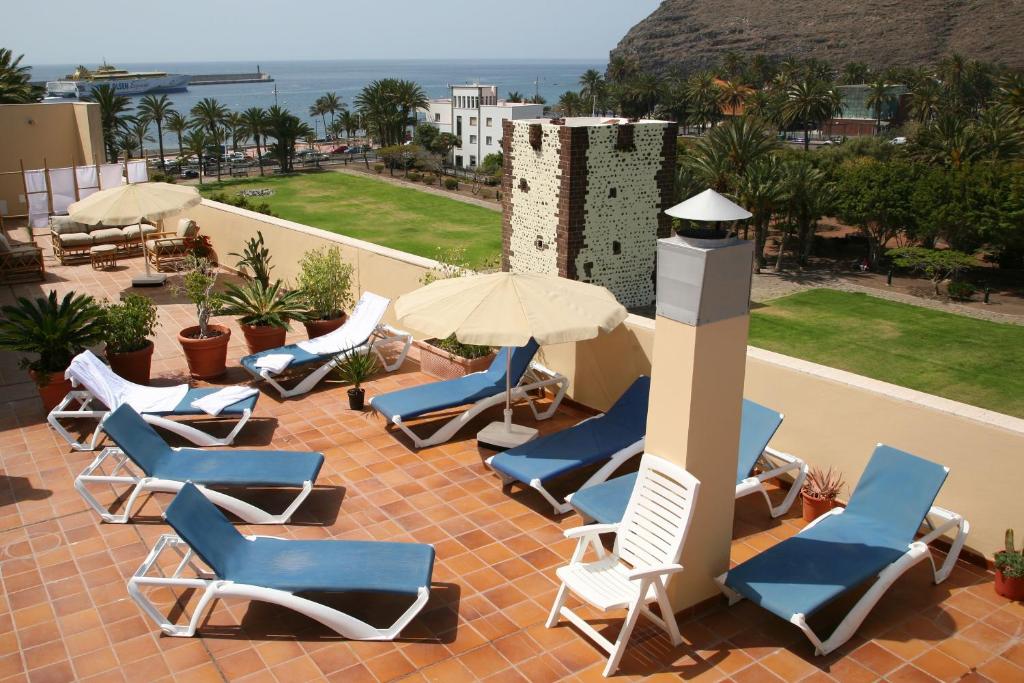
x: 127, y: 328
x: 819, y: 492
x: 356, y: 368
x: 325, y: 282
x: 205, y: 345
x: 1010, y: 570
x: 263, y: 311
x: 55, y: 332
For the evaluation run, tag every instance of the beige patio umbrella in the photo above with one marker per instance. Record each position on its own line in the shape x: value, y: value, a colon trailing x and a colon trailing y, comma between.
x: 128, y: 204
x: 508, y: 309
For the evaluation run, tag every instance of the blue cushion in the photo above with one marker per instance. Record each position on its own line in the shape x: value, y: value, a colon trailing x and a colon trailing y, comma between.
x: 297, y: 566
x: 806, y: 572
x: 300, y: 358
x: 143, y: 445
x: 185, y: 406
x: 606, y: 502
x: 591, y: 441
x: 428, y: 398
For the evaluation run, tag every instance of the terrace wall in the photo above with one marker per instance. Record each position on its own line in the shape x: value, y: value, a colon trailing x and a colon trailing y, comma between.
x: 833, y: 418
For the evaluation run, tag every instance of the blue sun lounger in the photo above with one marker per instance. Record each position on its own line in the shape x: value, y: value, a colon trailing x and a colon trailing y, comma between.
x: 605, y: 503
x: 167, y: 469
x: 611, y: 438
x: 279, y: 571
x: 479, y: 390
x: 871, y: 540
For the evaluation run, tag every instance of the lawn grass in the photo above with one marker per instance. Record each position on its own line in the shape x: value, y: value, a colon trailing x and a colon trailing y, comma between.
x: 379, y: 212
x: 960, y: 358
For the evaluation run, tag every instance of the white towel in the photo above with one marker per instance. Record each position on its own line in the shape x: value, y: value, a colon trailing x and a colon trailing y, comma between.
x: 113, y: 390
x: 275, y: 362
x: 212, y: 404
x: 111, y: 175
x: 137, y: 171
x: 355, y: 332
x: 62, y: 187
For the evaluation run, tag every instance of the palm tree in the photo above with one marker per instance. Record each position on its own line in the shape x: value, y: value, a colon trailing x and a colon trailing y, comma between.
x: 732, y: 96
x: 15, y: 80
x: 319, y: 108
x: 411, y: 97
x: 761, y: 191
x: 809, y: 196
x: 808, y: 102
x: 1011, y: 92
x: 879, y: 95
x: 514, y: 96
x: 387, y: 105
x: 350, y: 122
x: 570, y: 103
x: 177, y: 124
x: 645, y: 91
x: 592, y: 88
x: 112, y: 106
x: 209, y: 114
x: 703, y: 94
x: 157, y: 109
x: 732, y: 65
x: 333, y: 104
x: 137, y: 127
x: 196, y: 143
x: 237, y: 129
x: 255, y: 121
x: 855, y: 73
x: 621, y: 69
x: 286, y: 129
x: 127, y: 143
x: 925, y: 100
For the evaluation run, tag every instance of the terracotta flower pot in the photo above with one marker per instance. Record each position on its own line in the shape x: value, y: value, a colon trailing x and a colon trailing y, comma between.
x: 318, y: 328
x: 262, y: 337
x: 1009, y: 586
x: 356, y: 397
x: 815, y: 507
x: 444, y: 365
x: 53, y: 389
x: 134, y: 366
x: 207, y: 358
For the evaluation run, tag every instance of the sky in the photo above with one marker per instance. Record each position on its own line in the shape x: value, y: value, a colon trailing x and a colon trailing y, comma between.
x: 72, y: 32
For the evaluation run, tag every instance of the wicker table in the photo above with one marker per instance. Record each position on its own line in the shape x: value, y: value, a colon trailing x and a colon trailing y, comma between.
x: 103, y: 256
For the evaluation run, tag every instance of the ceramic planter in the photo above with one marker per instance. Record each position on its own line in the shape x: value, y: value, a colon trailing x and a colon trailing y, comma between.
x: 815, y: 507
x: 444, y: 365
x: 207, y: 358
x: 262, y: 337
x: 356, y: 397
x: 318, y: 328
x: 53, y: 389
x: 1009, y: 587
x: 134, y: 366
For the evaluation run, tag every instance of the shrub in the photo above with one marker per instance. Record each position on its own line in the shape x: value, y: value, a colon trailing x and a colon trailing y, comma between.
x: 324, y: 281
x: 1010, y: 561
x: 453, y: 264
x: 255, y: 257
x: 356, y: 368
x: 414, y: 176
x: 429, y: 179
x: 199, y: 277
x: 242, y: 202
x: 487, y: 194
x: 53, y: 331
x: 378, y: 168
x: 263, y: 305
x: 128, y: 325
x: 451, y: 184
x: 159, y: 177
x: 961, y: 291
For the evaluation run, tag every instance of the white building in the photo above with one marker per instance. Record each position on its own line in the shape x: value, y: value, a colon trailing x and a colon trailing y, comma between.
x: 475, y: 114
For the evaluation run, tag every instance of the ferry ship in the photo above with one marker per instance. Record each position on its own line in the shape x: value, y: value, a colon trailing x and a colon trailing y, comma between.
x: 82, y: 81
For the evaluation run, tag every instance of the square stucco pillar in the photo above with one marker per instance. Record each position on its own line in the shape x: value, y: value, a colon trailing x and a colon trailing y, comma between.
x: 699, y: 359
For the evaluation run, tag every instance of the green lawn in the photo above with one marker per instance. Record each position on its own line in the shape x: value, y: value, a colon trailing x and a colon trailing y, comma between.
x: 964, y: 359
x: 378, y: 212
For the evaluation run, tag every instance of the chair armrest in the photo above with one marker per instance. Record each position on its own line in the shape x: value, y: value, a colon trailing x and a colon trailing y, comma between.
x: 158, y: 235
x: 783, y: 456
x: 653, y: 572
x: 591, y: 530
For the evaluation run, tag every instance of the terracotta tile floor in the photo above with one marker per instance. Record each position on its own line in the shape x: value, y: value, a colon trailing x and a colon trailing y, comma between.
x: 65, y: 614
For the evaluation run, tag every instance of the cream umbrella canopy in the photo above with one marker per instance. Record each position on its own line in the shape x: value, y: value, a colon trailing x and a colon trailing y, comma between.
x: 128, y: 204
x: 508, y: 309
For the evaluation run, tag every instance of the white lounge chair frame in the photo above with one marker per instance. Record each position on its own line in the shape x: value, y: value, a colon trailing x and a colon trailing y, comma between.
x: 778, y: 463
x: 617, y: 460
x: 122, y: 473
x: 212, y: 588
x: 530, y: 381
x: 78, y: 405
x: 648, y: 544
x: 944, y: 521
x: 383, y: 334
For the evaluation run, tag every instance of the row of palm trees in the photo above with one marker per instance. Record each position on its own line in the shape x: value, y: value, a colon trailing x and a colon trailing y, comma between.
x: 15, y: 80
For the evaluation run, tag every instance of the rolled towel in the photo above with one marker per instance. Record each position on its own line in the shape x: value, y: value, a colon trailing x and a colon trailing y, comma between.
x: 213, y: 403
x: 275, y: 362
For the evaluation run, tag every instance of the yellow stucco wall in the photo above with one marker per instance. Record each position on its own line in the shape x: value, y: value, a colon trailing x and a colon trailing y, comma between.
x: 58, y: 134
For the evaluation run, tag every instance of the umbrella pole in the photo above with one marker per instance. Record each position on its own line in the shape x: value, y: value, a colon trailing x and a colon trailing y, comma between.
x: 508, y: 388
x: 150, y: 279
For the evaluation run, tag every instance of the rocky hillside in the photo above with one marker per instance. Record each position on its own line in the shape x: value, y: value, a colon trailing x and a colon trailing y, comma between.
x: 694, y: 34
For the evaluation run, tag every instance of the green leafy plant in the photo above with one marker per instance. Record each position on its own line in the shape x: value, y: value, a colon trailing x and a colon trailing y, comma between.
x: 242, y: 202
x: 1010, y: 562
x: 451, y: 184
x: 256, y: 257
x: 262, y: 305
x: 356, y: 368
x: 199, y: 277
x: 937, y: 265
x: 325, y: 281
x: 961, y: 291
x: 823, y: 484
x: 56, y: 331
x: 128, y: 325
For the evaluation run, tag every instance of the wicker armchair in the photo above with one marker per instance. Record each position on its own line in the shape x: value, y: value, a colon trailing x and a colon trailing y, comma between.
x: 20, y: 262
x: 166, y: 249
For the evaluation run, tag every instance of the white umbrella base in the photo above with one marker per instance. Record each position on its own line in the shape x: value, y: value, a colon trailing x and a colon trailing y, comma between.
x: 502, y: 435
x: 150, y: 280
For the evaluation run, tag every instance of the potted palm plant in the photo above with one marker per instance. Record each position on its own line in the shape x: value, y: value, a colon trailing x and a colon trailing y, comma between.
x: 205, y: 345
x: 255, y: 257
x: 127, y: 328
x: 325, y: 283
x: 55, y: 332
x: 263, y: 311
x: 356, y: 368
x: 819, y: 492
x: 1010, y: 570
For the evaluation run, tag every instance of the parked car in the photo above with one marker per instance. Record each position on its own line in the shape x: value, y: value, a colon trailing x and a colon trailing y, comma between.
x: 189, y: 173
x: 340, y: 149
x: 900, y: 140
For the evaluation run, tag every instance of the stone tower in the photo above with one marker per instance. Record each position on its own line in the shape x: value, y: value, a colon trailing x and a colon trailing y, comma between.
x: 584, y: 198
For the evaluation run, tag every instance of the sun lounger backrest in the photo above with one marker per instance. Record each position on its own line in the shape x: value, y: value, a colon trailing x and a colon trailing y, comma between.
x: 206, y: 530
x: 631, y: 408
x: 653, y: 530
x: 757, y: 428
x: 522, y: 356
x: 136, y: 438
x: 897, y: 489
